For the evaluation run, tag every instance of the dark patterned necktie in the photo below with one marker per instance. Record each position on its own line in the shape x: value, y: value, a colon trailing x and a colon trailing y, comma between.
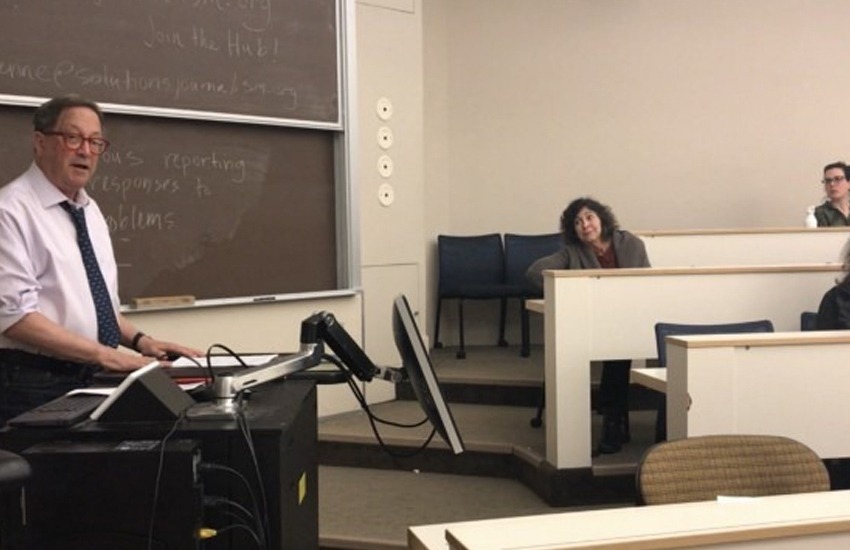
x: 107, y: 326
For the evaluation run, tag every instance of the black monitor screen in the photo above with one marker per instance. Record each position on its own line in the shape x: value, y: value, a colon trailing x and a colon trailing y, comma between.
x: 421, y: 375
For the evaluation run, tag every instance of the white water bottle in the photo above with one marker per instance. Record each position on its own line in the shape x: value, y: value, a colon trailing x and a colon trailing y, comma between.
x: 811, y: 221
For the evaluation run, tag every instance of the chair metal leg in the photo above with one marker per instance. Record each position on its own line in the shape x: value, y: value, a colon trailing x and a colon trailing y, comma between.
x: 661, y: 421
x: 537, y: 421
x: 503, y: 315
x: 461, y: 353
x: 437, y: 343
x: 525, y: 348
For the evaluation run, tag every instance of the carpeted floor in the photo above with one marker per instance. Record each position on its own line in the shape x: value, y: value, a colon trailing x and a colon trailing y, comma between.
x: 368, y: 508
x: 371, y: 509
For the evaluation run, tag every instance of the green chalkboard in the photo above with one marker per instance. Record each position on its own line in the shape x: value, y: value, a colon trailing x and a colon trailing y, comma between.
x: 211, y: 209
x: 269, y: 58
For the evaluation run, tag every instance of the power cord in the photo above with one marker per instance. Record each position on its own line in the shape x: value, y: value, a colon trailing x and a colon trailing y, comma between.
x: 246, y: 517
x: 210, y: 467
x: 243, y: 519
x: 204, y: 393
x: 229, y: 352
x: 158, y: 480
x: 374, y: 419
x: 262, y: 511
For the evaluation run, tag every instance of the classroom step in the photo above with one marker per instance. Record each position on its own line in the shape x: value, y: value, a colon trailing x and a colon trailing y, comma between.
x: 499, y: 443
x: 493, y: 375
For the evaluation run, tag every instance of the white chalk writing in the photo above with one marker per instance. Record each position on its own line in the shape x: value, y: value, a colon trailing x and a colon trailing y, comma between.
x: 213, y: 161
x: 135, y: 218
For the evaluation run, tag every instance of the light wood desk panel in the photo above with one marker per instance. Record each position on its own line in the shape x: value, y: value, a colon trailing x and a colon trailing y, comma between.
x: 794, y: 384
x: 803, y: 521
x: 610, y: 314
x: 763, y: 246
x: 652, y: 378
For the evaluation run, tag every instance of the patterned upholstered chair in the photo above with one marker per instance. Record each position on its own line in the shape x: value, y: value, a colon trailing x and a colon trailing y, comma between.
x: 705, y: 467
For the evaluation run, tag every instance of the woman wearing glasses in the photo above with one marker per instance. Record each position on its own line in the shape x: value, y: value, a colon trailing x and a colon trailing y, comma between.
x: 835, y: 211
x: 593, y: 240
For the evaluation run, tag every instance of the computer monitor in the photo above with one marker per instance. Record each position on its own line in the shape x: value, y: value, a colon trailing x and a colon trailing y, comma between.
x: 323, y: 328
x: 420, y: 373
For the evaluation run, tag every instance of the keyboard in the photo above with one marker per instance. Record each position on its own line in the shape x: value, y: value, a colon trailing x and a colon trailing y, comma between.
x: 63, y: 411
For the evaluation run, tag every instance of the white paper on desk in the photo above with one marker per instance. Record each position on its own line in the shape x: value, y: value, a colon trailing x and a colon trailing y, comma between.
x: 92, y: 391
x: 108, y: 391
x: 221, y: 361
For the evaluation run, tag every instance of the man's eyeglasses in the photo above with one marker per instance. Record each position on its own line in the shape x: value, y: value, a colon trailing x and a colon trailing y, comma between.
x: 74, y: 141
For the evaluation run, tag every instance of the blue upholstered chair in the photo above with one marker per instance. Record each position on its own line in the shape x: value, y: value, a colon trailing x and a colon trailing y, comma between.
x: 520, y: 252
x: 809, y: 320
x: 470, y: 268
x: 663, y: 330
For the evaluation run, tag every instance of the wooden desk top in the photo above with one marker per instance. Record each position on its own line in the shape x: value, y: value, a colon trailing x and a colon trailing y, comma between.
x: 652, y: 527
x: 704, y: 270
x: 738, y: 231
x: 762, y: 339
x: 652, y: 378
x: 536, y: 305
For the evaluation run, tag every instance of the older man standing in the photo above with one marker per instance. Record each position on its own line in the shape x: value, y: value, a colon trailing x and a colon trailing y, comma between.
x: 59, y: 316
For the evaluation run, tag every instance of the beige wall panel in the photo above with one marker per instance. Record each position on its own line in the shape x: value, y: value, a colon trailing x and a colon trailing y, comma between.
x: 389, y: 49
x: 679, y: 114
x: 385, y: 283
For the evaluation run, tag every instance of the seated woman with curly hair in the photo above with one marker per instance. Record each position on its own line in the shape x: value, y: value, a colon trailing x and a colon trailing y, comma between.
x: 593, y: 240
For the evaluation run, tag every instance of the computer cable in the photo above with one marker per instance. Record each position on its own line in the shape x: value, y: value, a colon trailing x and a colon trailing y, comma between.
x: 211, y: 467
x: 205, y: 467
x: 213, y: 501
x: 236, y: 526
x: 373, y: 419
x: 262, y: 512
x: 205, y: 392
x: 361, y: 399
x: 158, y: 479
x: 244, y: 518
x: 229, y: 352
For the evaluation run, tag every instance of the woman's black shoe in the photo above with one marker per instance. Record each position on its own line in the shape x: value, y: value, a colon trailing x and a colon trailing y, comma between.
x: 612, y: 435
x: 627, y: 432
